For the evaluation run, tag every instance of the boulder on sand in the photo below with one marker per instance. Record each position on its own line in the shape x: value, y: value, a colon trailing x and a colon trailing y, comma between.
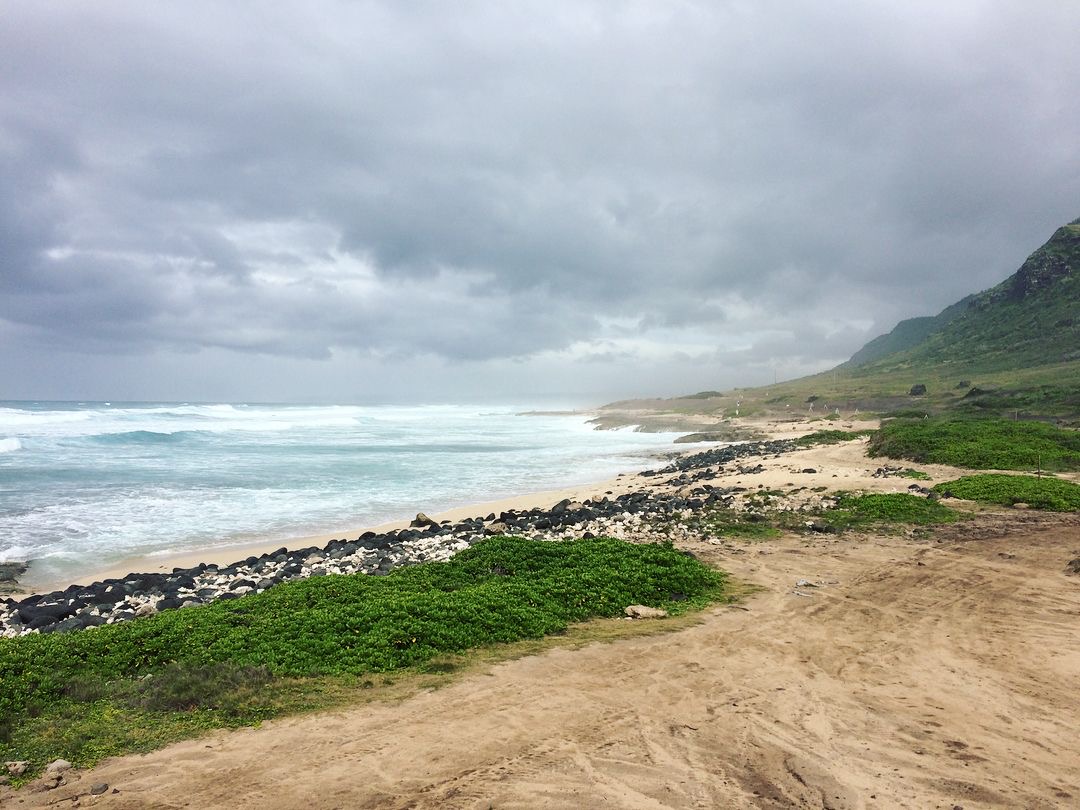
x: 644, y: 612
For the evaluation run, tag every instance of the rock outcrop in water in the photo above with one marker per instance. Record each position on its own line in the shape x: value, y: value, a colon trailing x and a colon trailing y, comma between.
x: 9, y: 576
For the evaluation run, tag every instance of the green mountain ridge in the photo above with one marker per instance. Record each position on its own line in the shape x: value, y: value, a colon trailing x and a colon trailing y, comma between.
x: 1030, y: 319
x: 906, y: 334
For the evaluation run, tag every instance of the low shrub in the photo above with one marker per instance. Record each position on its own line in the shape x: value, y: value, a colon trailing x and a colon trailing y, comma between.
x: 854, y: 511
x: 224, y: 686
x: 980, y: 444
x: 743, y: 525
x: 830, y: 437
x: 763, y: 520
x: 906, y: 413
x: 1051, y: 494
x: 917, y: 475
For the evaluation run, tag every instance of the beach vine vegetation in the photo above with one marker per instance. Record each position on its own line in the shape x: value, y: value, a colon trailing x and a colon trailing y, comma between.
x: 917, y: 475
x: 766, y: 516
x: 1051, y: 494
x: 853, y: 511
x: 138, y: 685
x: 979, y: 444
x: 831, y: 437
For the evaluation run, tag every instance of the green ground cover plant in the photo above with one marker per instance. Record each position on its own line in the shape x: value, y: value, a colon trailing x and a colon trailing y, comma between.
x: 743, y: 525
x: 979, y: 444
x: 764, y: 519
x: 906, y: 413
x: 138, y: 685
x: 1063, y: 397
x: 917, y: 475
x: 857, y: 511
x: 1052, y: 494
x: 830, y: 437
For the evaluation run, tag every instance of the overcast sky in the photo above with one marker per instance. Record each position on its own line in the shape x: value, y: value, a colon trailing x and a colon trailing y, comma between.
x: 365, y: 201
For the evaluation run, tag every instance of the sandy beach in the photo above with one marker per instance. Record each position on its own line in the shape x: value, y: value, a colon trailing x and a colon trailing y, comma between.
x: 776, y: 475
x: 935, y: 674
x: 903, y: 672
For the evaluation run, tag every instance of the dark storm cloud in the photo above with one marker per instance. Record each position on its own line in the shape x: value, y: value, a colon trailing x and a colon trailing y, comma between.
x: 744, y: 183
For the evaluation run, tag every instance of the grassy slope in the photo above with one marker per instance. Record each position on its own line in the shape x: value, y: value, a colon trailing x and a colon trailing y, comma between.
x: 1022, y: 334
x: 1046, y: 390
x: 1030, y: 319
x: 906, y: 335
x: 1019, y: 340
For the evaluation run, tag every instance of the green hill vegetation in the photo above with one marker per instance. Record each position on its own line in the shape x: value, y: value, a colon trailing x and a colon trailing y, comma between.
x: 1012, y: 348
x: 1031, y: 319
x: 907, y: 334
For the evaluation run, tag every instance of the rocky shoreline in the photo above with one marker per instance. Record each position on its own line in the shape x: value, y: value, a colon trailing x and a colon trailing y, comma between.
x: 677, y: 491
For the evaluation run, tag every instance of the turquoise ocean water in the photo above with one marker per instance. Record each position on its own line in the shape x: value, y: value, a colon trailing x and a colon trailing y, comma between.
x: 84, y: 485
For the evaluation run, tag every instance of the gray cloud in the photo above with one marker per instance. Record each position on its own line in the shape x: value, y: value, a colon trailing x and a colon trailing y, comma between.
x: 727, y: 188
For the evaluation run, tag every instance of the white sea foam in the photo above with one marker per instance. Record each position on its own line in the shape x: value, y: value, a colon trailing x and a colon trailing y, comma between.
x: 19, y: 417
x: 10, y: 445
x: 169, y: 419
x: 15, y: 554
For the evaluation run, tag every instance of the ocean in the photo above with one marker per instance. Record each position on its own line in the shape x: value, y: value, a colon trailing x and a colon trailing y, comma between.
x: 86, y: 485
